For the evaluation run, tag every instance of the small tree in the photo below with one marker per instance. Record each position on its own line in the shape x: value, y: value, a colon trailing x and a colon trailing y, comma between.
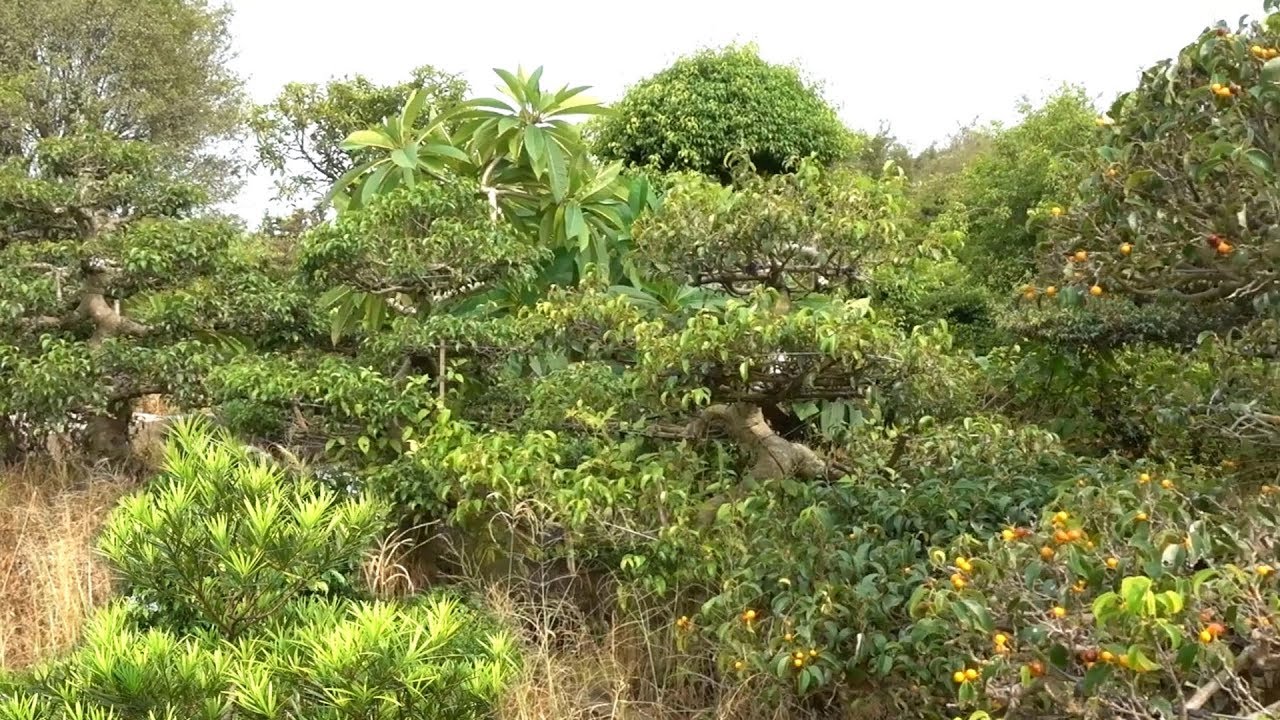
x: 706, y: 107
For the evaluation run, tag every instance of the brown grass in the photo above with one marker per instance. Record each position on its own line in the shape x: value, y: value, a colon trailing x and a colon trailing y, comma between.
x: 50, y: 575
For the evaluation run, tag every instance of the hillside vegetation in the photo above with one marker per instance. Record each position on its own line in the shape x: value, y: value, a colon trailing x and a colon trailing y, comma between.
x: 699, y: 406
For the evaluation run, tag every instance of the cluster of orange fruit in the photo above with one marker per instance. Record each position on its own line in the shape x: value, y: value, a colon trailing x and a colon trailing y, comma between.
x: 1263, y: 53
x: 966, y: 676
x: 958, y: 580
x: 798, y: 658
x: 1219, y: 244
x: 1224, y: 91
x: 1211, y: 632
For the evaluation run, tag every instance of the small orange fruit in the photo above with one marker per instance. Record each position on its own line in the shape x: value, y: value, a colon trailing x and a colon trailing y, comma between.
x: 1008, y: 534
x: 1050, y: 291
x: 1081, y: 256
x: 1107, y: 656
x: 1075, y: 534
x: 1061, y: 516
x: 1216, y: 628
x: 1046, y: 552
x: 1206, y: 637
x: 1059, y: 612
x: 739, y: 665
x: 1113, y: 563
x: 970, y: 674
x: 1061, y: 537
x: 749, y: 616
x: 798, y: 662
x: 1167, y: 484
x: 958, y: 677
x: 1144, y: 478
x: 788, y: 637
x: 964, y: 564
x: 1036, y: 667
x: 1001, y: 638
x: 1124, y: 661
x: 1125, y: 248
x: 813, y: 652
x: 1140, y: 517
x: 1055, y: 211
x: 1264, y: 570
x: 958, y: 581
x: 1225, y: 248
x: 1096, y: 291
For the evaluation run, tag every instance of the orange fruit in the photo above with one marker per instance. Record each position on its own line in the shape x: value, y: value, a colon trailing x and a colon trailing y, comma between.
x: 1107, y: 656
x: 1096, y: 291
x: 1050, y: 291
x: 1046, y: 552
x: 1125, y: 248
x: 1206, y: 637
x: 1036, y: 667
x: 739, y: 665
x: 1144, y: 478
x: 1225, y: 248
x: 1061, y: 537
x: 970, y: 674
x: 958, y: 677
x: 1140, y: 517
x: 1059, y: 612
x: 1113, y: 563
x: 1075, y: 534
x: 1061, y: 516
x: 1081, y: 256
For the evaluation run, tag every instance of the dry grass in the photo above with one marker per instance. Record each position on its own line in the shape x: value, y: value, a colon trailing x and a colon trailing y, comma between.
x: 50, y: 575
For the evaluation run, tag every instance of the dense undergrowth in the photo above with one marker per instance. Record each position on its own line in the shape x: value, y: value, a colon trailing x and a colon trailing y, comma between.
x: 726, y: 423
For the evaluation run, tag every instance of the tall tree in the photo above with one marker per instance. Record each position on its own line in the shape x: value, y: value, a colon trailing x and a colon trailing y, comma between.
x: 153, y: 71
x: 299, y: 134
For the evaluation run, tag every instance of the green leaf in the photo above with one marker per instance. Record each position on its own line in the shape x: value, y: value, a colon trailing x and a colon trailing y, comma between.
x: 574, y: 225
x: 557, y: 171
x: 442, y: 150
x: 1271, y: 71
x: 514, y: 86
x: 1260, y: 160
x: 342, y: 317
x: 535, y: 143
x: 347, y: 178
x: 1134, y: 591
x: 405, y: 158
x: 1097, y: 675
x: 361, y: 139
x: 373, y: 183
x: 409, y: 115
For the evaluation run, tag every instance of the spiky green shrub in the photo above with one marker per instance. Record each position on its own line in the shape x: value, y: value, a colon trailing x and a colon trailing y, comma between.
x: 225, y: 538
x: 319, y: 660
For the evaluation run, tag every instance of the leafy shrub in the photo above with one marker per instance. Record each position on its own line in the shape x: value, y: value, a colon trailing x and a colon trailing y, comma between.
x: 697, y: 112
x: 1037, y: 162
x: 1147, y: 587
x: 225, y: 539
x: 315, y: 659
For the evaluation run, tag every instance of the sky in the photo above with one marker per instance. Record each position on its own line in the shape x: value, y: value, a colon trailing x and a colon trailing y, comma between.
x: 924, y: 67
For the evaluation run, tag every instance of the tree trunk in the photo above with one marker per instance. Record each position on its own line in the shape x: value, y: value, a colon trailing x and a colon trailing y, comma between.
x: 107, y: 434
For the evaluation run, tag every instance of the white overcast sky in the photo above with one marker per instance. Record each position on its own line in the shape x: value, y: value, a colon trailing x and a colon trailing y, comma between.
x: 925, y: 67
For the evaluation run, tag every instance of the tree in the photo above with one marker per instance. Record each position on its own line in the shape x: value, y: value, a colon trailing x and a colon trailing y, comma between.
x: 107, y: 259
x: 705, y: 107
x: 152, y: 71
x: 299, y: 133
x: 110, y: 277
x: 1021, y: 170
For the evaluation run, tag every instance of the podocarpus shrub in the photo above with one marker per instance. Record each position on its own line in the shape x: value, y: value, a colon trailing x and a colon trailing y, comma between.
x: 225, y: 538
x: 318, y: 659
x: 233, y: 554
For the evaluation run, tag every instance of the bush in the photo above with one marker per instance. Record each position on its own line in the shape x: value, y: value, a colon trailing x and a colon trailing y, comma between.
x: 224, y: 539
x: 1149, y: 587
x: 697, y: 112
x: 321, y: 660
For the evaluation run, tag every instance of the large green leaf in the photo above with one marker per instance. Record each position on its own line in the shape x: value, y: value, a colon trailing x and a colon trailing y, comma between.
x: 442, y: 150
x: 405, y: 157
x: 535, y: 143
x: 514, y: 86
x: 361, y: 139
x: 558, y: 171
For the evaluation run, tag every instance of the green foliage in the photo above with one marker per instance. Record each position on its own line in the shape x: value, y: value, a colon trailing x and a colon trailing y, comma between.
x: 153, y: 71
x: 1020, y: 171
x: 433, y: 659
x: 1184, y: 176
x: 717, y: 103
x: 267, y: 538
x: 299, y: 133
